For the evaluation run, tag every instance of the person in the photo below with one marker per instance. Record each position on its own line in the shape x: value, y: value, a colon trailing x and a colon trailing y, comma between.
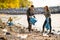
x: 0, y: 20
x: 10, y: 21
x: 2, y: 24
x: 47, y: 15
x: 30, y: 12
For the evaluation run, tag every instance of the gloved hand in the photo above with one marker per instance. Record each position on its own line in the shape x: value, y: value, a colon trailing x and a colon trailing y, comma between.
x: 34, y: 16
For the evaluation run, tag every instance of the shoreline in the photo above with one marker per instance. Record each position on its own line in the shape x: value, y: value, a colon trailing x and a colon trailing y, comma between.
x: 23, y: 13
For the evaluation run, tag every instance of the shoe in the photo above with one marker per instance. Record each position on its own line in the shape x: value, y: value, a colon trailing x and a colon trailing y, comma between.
x: 51, y: 33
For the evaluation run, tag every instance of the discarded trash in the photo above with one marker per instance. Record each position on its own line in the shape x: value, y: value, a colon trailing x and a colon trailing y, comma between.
x: 24, y: 36
x: 4, y: 30
x: 45, y: 34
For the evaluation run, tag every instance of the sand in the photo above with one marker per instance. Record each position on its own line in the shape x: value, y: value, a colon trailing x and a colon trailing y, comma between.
x: 21, y: 33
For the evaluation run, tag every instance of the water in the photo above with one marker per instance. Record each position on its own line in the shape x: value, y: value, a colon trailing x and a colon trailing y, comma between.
x: 22, y: 19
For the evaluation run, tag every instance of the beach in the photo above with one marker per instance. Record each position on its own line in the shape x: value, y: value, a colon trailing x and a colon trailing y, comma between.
x: 22, y: 19
x: 19, y: 32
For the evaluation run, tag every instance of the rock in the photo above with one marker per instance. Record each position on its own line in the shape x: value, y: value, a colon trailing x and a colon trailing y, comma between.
x: 2, y: 38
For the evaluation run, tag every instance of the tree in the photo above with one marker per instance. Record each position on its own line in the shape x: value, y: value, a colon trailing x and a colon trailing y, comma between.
x: 25, y: 3
x: 14, y: 3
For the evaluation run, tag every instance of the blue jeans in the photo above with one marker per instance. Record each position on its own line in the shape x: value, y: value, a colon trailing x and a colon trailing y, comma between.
x: 45, y: 24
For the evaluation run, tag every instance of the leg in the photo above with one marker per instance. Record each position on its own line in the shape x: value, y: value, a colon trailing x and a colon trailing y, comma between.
x: 50, y: 25
x: 44, y: 25
x: 29, y: 25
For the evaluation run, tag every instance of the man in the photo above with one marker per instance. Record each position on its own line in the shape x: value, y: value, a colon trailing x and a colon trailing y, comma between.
x: 30, y: 12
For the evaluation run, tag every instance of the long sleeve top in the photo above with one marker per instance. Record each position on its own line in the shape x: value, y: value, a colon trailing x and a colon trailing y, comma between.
x: 47, y: 13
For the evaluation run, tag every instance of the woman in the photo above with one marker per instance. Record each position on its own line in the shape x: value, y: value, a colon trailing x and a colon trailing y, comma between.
x: 47, y: 15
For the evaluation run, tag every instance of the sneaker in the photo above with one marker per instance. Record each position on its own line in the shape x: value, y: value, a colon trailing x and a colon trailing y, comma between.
x: 51, y: 33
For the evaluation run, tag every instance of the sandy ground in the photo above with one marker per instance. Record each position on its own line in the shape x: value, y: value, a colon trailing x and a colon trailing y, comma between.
x: 19, y: 32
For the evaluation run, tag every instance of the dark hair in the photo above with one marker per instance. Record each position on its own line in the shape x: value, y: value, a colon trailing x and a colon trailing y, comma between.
x: 32, y: 5
x: 46, y: 7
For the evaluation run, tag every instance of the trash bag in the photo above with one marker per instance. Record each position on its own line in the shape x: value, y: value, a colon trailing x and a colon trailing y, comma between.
x: 47, y: 26
x: 32, y: 20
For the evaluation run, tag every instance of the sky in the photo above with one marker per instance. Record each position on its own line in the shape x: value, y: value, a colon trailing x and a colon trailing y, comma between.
x: 42, y: 3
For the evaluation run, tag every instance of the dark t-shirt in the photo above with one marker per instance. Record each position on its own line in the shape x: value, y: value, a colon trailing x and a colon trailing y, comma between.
x: 29, y: 13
